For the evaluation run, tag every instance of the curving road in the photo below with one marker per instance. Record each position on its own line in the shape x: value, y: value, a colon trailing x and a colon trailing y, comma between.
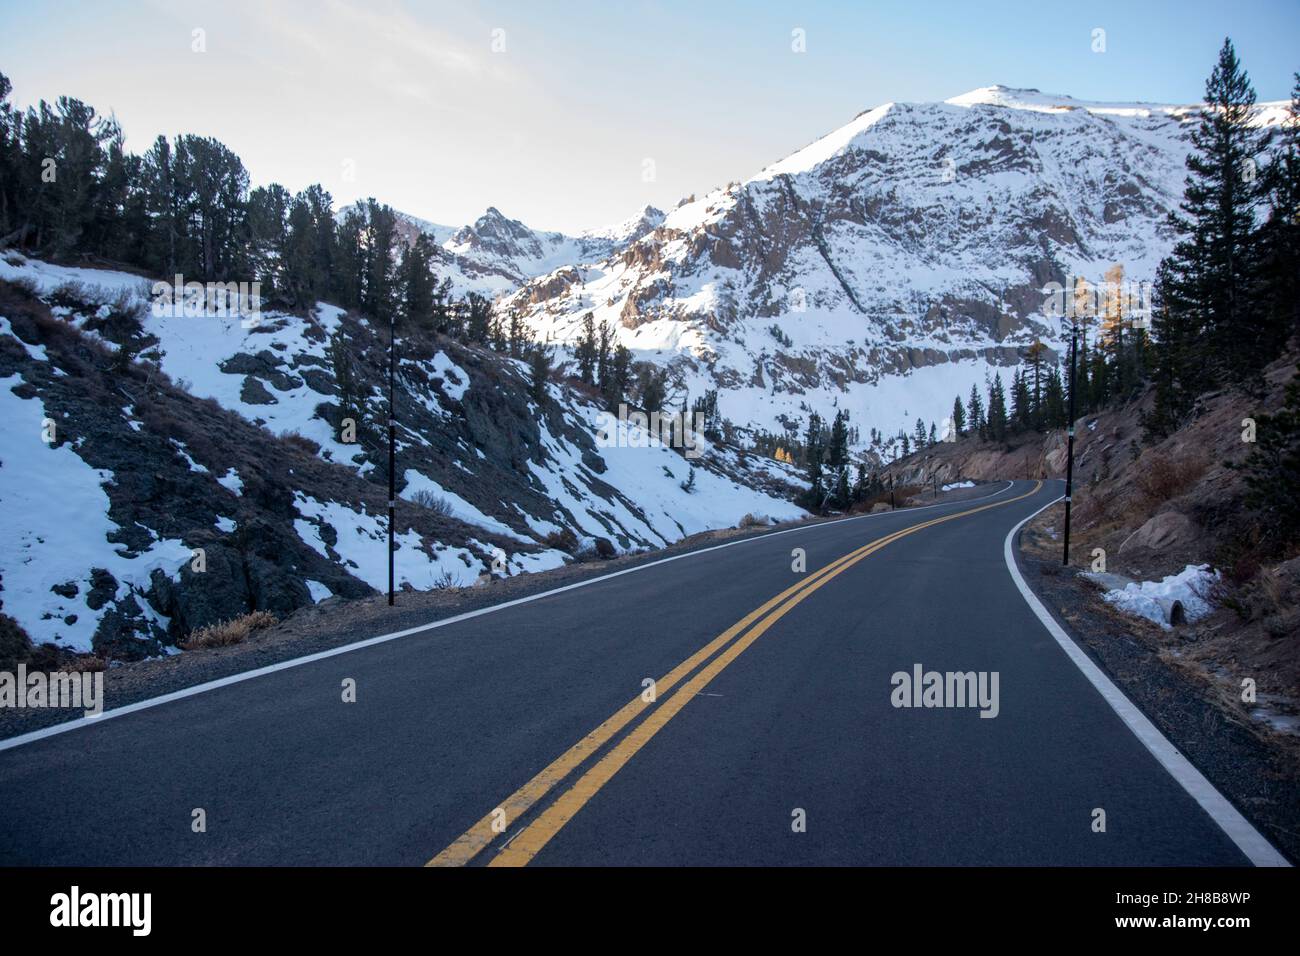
x: 769, y: 736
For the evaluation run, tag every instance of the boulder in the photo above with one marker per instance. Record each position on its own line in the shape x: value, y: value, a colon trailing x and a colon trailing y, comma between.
x: 1169, y: 529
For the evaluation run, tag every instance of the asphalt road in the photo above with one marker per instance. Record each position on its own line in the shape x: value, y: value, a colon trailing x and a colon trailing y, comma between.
x: 524, y: 735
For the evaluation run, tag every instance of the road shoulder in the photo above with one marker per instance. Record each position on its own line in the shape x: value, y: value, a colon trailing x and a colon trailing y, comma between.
x: 1257, y: 771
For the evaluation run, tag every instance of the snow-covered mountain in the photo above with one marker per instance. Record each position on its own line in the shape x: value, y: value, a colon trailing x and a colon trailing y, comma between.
x: 495, y: 255
x: 891, y: 264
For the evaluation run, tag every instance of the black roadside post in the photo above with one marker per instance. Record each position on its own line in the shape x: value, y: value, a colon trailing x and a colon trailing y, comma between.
x: 1069, y: 455
x: 392, y: 448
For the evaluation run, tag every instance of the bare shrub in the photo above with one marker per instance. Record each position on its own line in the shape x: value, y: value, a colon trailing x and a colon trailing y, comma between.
x: 86, y: 663
x: 753, y: 521
x: 1163, y: 479
x: 27, y: 285
x: 300, y: 441
x: 561, y: 540
x: 234, y: 631
x: 74, y: 295
x: 431, y: 502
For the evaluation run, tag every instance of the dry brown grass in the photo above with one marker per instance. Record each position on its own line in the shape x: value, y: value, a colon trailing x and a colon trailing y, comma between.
x: 86, y: 664
x: 1162, y: 479
x: 301, y: 442
x: 234, y: 631
x: 752, y: 521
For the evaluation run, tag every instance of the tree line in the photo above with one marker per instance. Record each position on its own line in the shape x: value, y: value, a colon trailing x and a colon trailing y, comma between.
x: 69, y: 188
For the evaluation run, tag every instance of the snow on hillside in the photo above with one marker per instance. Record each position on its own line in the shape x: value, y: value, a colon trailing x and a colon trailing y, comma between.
x: 55, y: 526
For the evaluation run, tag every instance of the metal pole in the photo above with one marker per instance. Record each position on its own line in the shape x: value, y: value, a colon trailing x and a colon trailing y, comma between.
x: 392, y: 448
x: 1069, y: 455
x: 891, y: 491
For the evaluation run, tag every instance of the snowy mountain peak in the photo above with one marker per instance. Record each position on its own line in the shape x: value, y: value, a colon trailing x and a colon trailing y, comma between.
x: 630, y: 229
x: 830, y: 145
x: 1033, y: 100
x: 891, y: 264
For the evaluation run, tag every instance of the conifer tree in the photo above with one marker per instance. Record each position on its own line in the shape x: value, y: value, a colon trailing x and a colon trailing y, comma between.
x: 997, y: 414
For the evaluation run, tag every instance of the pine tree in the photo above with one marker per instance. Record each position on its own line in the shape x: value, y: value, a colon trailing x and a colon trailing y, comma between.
x: 478, y: 318
x: 539, y: 363
x: 1272, y: 472
x: 813, y: 449
x: 652, y: 387
x: 837, y: 452
x: 975, y: 407
x: 586, y: 350
x: 620, y: 375
x: 1022, y: 410
x: 1036, y: 352
x: 1054, y: 413
x: 997, y: 415
x: 345, y: 379
x: 958, y: 417
x: 417, y: 284
x: 603, y: 354
x: 267, y: 221
x: 10, y: 162
x: 1279, y: 292
x: 379, y: 294
x: 1206, y: 325
x: 860, y: 484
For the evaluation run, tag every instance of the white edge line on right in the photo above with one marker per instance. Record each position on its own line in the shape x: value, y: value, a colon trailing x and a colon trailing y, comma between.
x: 1250, y: 841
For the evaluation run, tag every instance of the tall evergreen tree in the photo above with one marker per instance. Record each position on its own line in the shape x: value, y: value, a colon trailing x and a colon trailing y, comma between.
x: 837, y: 452
x: 997, y: 414
x: 975, y: 408
x: 1207, y: 325
x: 1279, y: 292
x: 813, y: 449
x: 417, y: 284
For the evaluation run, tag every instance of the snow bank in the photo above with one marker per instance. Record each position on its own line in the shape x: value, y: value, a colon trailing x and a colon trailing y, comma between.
x: 1144, y: 598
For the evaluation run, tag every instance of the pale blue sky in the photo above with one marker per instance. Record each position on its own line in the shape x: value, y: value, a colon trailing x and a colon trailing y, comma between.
x: 555, y: 128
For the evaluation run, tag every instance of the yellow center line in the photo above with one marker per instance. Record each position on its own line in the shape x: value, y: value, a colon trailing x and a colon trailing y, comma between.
x: 526, y: 845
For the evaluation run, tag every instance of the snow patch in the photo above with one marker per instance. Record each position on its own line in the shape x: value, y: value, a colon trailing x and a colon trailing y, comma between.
x: 1189, y: 587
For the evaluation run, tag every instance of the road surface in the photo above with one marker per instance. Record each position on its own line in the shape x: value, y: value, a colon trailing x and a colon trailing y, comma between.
x: 529, y: 735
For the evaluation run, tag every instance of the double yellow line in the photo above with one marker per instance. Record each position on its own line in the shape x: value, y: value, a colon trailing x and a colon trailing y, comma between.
x: 525, y: 845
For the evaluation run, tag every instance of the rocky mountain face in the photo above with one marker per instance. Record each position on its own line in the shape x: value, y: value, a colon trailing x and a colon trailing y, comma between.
x: 495, y: 255
x: 234, y: 469
x: 892, y: 264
